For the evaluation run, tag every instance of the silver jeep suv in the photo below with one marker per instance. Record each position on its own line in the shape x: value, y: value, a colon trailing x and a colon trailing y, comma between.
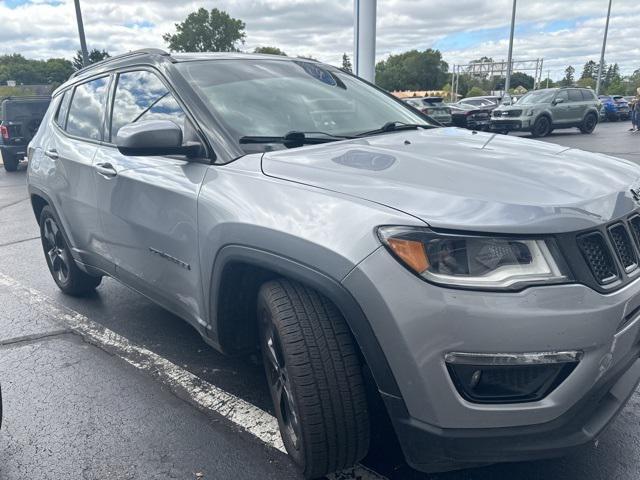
x: 485, y: 288
x: 542, y: 111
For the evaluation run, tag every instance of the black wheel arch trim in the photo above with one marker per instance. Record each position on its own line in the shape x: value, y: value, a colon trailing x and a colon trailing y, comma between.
x: 36, y: 191
x: 327, y: 286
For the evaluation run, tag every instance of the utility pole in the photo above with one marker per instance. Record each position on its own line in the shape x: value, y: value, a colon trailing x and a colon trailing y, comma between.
x: 364, y: 38
x: 507, y: 82
x: 548, y: 73
x: 604, y: 45
x: 83, y: 41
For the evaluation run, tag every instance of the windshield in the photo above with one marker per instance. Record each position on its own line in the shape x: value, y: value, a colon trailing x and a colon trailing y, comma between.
x: 271, y: 98
x: 539, y: 96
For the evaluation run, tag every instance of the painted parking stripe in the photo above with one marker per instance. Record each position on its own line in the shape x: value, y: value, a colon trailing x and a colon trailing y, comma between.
x: 198, y: 392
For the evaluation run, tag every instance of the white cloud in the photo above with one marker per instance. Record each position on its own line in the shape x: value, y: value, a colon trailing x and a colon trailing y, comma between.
x: 323, y: 28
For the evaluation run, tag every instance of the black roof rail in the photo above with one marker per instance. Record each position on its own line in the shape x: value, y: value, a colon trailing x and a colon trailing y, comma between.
x: 143, y: 51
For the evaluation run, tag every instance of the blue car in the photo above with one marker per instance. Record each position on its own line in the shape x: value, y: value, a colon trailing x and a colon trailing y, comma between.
x: 609, y: 108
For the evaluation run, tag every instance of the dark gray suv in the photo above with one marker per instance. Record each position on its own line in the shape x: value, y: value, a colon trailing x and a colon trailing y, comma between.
x: 483, y: 289
x: 542, y: 111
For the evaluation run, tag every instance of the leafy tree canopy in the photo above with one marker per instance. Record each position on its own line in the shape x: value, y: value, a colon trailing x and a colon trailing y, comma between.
x: 204, y: 31
x: 270, y: 51
x: 475, y: 92
x: 34, y: 72
x: 95, y: 56
x: 413, y: 70
x: 346, y: 63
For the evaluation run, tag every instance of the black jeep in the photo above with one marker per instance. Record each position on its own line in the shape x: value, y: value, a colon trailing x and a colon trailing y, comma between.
x: 20, y: 118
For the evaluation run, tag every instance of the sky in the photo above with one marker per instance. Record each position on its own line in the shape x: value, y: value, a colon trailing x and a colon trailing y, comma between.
x: 562, y: 32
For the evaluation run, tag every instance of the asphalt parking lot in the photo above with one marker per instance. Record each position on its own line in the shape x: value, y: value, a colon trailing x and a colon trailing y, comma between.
x: 114, y: 387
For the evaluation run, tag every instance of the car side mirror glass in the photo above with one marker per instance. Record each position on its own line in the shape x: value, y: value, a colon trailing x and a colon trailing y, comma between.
x: 153, y: 137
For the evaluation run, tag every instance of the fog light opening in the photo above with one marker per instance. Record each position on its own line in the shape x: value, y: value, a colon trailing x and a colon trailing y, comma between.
x: 509, y: 378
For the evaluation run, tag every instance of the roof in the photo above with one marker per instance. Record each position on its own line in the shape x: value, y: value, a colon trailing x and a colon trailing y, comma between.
x: 155, y: 55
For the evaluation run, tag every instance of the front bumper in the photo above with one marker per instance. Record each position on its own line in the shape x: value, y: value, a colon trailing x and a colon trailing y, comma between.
x: 417, y: 324
x: 510, y: 124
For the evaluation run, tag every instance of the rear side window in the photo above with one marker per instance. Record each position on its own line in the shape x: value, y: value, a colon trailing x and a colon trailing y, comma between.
x: 588, y: 95
x: 63, y: 109
x: 87, y: 109
x: 575, y: 95
x: 142, y: 96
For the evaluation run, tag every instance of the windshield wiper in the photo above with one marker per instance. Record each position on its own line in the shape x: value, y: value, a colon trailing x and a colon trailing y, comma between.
x: 393, y: 127
x: 295, y: 139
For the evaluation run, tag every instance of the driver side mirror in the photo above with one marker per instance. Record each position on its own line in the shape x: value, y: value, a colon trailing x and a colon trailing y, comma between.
x: 154, y: 137
x: 558, y: 100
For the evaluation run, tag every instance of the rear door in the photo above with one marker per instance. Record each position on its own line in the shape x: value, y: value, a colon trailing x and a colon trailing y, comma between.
x: 148, y: 205
x: 77, y: 130
x: 577, y: 105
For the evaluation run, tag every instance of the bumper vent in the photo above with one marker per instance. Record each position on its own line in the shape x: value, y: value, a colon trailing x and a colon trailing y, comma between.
x: 624, y: 248
x: 596, y: 252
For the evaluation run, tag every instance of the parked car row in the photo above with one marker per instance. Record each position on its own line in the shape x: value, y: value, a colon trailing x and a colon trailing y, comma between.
x: 614, y: 107
x: 538, y: 111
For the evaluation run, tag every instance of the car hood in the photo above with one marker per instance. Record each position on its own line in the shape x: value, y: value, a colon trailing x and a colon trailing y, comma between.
x: 457, y: 179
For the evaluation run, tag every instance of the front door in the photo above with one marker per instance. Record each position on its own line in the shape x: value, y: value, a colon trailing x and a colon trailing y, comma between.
x: 148, y: 205
x: 561, y: 111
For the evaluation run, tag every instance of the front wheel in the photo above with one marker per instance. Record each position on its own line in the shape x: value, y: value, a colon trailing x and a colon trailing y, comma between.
x: 589, y: 123
x: 315, y: 378
x: 541, y: 127
x: 69, y: 278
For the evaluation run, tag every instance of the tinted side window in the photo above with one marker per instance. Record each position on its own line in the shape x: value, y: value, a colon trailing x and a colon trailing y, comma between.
x: 142, y: 96
x: 563, y: 95
x: 575, y: 95
x: 87, y: 109
x: 588, y: 95
x: 63, y: 109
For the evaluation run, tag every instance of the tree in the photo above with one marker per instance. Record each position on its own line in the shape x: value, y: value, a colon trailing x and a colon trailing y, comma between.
x: 569, y: 78
x: 34, y: 72
x: 589, y: 69
x: 270, y: 51
x: 413, y: 70
x: 346, y: 63
x: 204, y: 31
x: 522, y: 79
x: 95, y: 56
x: 585, y: 83
x: 475, y: 92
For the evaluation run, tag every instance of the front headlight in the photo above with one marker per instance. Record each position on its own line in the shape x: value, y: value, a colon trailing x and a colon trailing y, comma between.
x: 475, y: 261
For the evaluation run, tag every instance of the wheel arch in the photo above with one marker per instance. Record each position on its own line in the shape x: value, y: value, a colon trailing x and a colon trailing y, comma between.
x: 238, y: 273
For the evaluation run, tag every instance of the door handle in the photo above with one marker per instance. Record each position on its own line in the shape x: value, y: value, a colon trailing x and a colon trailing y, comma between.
x: 52, y: 153
x: 106, y: 169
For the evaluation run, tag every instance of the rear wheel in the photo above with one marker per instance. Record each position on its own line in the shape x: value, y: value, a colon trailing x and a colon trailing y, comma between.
x: 69, y: 278
x: 314, y: 376
x: 589, y: 123
x: 541, y: 127
x: 10, y: 162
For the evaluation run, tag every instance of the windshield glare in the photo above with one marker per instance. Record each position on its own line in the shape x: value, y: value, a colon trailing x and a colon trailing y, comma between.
x: 540, y: 96
x: 274, y: 97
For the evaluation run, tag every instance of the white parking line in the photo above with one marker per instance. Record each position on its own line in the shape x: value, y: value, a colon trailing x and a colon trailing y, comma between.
x: 197, y: 391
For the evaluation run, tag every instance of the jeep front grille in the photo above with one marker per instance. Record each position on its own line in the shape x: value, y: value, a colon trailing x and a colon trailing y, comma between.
x: 621, y: 241
x: 597, y: 255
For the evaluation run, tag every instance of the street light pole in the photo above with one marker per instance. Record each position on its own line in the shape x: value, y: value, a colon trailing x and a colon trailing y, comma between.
x: 604, y: 45
x: 507, y: 82
x: 364, y: 59
x: 83, y: 41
